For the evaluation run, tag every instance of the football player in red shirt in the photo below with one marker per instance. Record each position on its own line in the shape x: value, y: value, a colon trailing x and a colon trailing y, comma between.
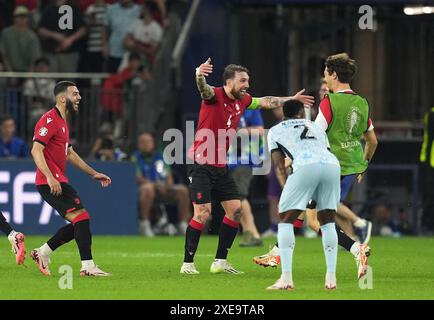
x: 51, y: 149
x: 221, y: 110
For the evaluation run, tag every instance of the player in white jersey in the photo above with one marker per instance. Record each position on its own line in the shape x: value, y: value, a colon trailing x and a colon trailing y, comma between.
x: 315, y: 175
x: 360, y: 251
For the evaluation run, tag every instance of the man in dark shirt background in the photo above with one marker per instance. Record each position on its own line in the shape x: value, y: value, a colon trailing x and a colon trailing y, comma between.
x: 11, y: 146
x: 61, y: 46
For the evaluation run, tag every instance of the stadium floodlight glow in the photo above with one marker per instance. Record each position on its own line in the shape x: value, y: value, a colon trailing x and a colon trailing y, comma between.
x: 428, y: 10
x: 410, y: 11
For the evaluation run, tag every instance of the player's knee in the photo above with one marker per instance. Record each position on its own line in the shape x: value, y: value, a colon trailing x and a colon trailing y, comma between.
x: 77, y: 216
x: 326, y: 216
x: 201, y: 213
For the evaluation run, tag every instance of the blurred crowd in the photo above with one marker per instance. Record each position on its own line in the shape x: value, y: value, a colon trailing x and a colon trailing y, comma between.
x: 121, y: 38
x: 93, y: 36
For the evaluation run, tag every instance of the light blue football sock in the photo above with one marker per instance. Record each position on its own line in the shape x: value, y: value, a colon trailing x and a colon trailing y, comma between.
x: 286, y: 240
x: 330, y: 245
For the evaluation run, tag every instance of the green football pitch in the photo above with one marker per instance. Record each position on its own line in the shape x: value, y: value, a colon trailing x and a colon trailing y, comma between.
x: 149, y: 269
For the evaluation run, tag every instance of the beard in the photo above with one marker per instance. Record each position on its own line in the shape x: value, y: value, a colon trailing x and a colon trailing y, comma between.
x: 236, y: 94
x: 70, y: 106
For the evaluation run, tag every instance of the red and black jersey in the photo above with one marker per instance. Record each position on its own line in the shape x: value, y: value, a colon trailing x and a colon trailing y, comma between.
x: 216, y: 117
x: 52, y: 131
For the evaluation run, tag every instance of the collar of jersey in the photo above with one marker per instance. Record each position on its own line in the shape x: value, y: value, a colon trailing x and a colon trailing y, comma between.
x: 346, y: 91
x: 58, y: 112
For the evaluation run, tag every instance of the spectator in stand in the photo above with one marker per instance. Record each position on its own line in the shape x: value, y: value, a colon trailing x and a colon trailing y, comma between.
x: 158, y: 10
x: 32, y: 5
x: 119, y: 18
x: 11, y: 147
x: 112, y: 92
x: 104, y: 146
x: 19, y: 44
x: 39, y: 92
x: 154, y: 178
x: 60, y: 46
x: 144, y: 37
x: 95, y: 16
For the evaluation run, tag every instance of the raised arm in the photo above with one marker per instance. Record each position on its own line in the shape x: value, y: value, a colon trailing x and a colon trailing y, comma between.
x: 277, y: 102
x: 205, y: 90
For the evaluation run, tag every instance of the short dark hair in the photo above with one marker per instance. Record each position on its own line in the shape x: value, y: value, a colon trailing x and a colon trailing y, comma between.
x: 229, y: 72
x: 343, y: 65
x: 6, y: 117
x: 291, y: 108
x: 62, y: 86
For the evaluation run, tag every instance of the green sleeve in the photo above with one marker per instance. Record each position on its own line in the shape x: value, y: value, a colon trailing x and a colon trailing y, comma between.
x: 254, y: 104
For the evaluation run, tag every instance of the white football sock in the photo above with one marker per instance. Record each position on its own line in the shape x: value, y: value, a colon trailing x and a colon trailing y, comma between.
x: 355, y: 248
x: 360, y: 223
x: 45, y: 250
x: 87, y: 264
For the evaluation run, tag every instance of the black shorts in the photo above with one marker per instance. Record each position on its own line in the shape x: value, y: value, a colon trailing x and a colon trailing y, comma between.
x: 204, y: 179
x: 68, y: 201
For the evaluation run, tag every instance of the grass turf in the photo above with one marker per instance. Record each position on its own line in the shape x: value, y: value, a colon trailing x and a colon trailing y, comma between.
x: 149, y: 269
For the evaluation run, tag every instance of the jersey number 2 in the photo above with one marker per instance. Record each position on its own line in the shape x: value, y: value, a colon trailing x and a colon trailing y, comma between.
x: 305, y: 132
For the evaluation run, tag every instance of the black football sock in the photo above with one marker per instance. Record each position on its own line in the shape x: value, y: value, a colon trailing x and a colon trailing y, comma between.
x: 192, y: 237
x: 4, y: 226
x: 83, y: 237
x: 62, y: 236
x: 228, y: 232
x: 344, y: 240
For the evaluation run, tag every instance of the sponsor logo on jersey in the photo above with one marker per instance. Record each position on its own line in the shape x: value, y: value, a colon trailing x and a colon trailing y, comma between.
x: 49, y: 120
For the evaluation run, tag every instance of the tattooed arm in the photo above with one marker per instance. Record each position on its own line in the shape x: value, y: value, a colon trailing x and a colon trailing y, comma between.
x: 206, y: 91
x: 277, y: 102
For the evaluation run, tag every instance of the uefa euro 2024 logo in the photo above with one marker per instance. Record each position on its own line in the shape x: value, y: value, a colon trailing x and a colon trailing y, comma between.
x: 353, y: 119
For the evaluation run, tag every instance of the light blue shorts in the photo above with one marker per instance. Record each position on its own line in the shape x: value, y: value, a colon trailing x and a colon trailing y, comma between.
x: 320, y: 182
